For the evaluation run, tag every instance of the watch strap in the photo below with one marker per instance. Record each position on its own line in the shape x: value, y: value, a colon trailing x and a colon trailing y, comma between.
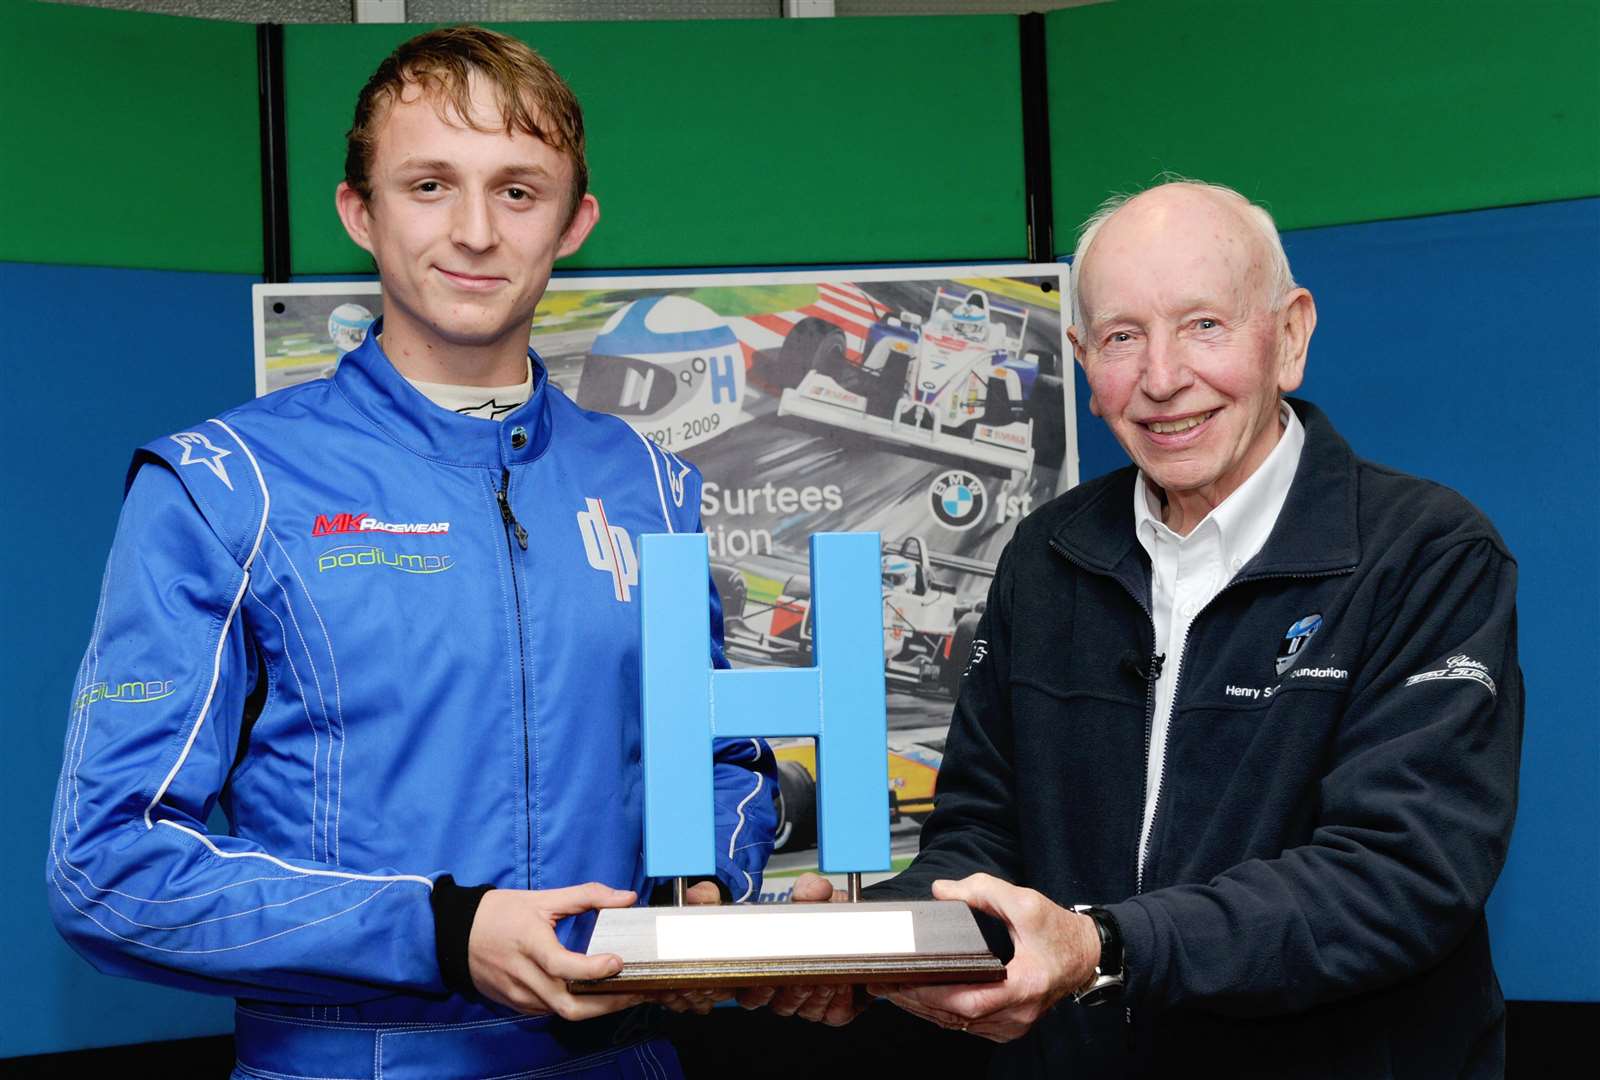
x: 1108, y: 974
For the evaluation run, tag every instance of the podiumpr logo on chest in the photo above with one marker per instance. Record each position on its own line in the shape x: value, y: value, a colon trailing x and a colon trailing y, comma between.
x: 1296, y: 639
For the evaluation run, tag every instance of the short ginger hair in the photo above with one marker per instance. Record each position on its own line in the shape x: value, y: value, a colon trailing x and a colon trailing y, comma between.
x: 533, y: 98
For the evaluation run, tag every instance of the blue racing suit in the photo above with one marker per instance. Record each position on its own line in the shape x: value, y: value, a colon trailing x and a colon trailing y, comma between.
x: 392, y: 643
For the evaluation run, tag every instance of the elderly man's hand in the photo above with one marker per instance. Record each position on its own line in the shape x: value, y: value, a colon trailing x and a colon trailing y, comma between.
x: 695, y: 1001
x: 831, y: 1005
x: 1056, y: 952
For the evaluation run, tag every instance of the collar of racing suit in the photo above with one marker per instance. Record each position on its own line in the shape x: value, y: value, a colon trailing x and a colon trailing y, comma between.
x: 381, y: 394
x: 1315, y: 533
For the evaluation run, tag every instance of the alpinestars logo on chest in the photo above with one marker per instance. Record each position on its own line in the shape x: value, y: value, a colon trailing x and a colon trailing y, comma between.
x: 609, y: 548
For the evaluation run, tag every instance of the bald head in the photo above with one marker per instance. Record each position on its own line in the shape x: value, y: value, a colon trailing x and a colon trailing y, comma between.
x: 1229, y: 219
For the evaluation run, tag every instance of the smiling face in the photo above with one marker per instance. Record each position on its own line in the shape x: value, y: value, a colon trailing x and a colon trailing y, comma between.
x: 1185, y: 350
x: 464, y: 223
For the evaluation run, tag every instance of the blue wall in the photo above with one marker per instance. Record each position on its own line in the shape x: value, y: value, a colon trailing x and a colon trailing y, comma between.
x: 96, y: 362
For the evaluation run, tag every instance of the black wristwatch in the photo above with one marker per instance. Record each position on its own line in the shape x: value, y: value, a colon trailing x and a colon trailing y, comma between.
x: 1107, y: 981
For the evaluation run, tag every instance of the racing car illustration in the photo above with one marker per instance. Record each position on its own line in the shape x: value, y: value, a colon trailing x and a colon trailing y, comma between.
x: 958, y: 383
x: 914, y: 760
x: 927, y: 625
x: 671, y: 367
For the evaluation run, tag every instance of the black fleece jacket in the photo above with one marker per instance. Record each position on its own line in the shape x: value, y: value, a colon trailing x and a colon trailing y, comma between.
x: 1324, y: 838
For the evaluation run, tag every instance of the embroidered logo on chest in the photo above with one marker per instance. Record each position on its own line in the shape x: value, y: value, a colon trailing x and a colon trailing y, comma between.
x: 1296, y: 639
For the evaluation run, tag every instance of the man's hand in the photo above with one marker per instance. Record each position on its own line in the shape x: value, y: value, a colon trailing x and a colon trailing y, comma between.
x: 835, y: 1006
x: 1056, y: 952
x: 695, y: 1001
x: 515, y: 959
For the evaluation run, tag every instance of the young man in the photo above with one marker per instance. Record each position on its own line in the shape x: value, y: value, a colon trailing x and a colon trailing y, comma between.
x: 441, y: 689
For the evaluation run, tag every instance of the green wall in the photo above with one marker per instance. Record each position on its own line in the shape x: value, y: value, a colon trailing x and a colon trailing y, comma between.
x: 1329, y: 112
x: 733, y: 143
x: 128, y: 140
x: 823, y: 141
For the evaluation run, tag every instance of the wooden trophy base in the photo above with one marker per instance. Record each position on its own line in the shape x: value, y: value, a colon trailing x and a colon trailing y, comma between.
x: 705, y: 946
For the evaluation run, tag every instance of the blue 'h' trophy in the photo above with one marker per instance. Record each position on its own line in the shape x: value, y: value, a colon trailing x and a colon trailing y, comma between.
x: 685, y: 704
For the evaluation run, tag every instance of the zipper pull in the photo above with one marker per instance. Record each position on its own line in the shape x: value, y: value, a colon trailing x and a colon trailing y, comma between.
x: 503, y: 497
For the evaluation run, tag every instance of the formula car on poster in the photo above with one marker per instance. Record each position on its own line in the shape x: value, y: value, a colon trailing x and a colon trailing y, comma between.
x: 958, y: 383
x: 928, y: 625
x: 671, y: 367
x: 914, y: 760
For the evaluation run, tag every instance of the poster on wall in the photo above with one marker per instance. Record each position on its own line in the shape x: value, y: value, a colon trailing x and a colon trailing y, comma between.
x: 932, y: 405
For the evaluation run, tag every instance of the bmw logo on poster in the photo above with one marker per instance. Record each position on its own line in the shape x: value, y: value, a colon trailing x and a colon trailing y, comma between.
x: 932, y: 405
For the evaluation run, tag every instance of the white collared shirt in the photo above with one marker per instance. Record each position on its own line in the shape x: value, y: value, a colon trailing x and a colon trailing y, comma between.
x: 1187, y: 572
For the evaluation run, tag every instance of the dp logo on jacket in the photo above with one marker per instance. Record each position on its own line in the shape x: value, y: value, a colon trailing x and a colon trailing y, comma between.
x: 608, y: 548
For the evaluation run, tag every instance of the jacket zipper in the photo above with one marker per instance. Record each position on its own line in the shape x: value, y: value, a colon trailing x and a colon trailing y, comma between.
x: 1161, y: 766
x: 514, y: 529
x: 503, y: 497
x: 1177, y: 684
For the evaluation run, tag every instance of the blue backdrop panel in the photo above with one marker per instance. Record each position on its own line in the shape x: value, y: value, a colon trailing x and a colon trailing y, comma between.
x: 95, y: 363
x: 1466, y: 348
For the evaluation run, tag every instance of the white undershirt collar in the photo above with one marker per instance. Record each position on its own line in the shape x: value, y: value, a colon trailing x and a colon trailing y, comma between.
x: 486, y: 402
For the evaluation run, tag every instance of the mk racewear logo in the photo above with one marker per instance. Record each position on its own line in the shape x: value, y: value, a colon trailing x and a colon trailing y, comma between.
x: 1460, y: 666
x: 609, y: 548
x: 360, y: 557
x: 365, y: 523
x: 197, y: 450
x: 137, y: 692
x: 958, y: 499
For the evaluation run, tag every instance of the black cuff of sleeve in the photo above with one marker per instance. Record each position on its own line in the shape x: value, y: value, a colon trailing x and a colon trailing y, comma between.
x: 454, y: 908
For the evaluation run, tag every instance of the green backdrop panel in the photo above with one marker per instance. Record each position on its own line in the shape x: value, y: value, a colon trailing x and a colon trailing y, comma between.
x: 1331, y: 113
x: 733, y: 143
x: 131, y: 140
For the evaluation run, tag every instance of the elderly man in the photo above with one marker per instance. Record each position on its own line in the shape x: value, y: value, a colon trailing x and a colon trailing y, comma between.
x: 1254, y: 700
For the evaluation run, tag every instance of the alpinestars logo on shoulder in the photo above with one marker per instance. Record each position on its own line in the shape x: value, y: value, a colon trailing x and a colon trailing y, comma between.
x: 199, y: 450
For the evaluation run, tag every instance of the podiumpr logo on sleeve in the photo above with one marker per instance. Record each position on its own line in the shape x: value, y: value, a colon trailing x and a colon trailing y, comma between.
x: 958, y: 499
x: 1295, y: 640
